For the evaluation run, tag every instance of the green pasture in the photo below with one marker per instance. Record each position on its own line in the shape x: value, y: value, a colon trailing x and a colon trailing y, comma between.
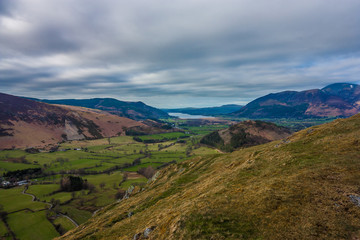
x: 65, y: 223
x: 97, y: 142
x: 142, y: 165
x: 31, y: 225
x: 205, y: 129
x: 3, y: 230
x: 10, y: 166
x: 108, y: 179
x: 161, y: 136
x: 5, y: 154
x: 80, y: 216
x: 13, y: 200
x: 130, y: 182
x: 44, y: 192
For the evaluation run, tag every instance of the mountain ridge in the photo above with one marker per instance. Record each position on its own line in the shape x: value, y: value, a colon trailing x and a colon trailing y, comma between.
x: 133, y: 110
x: 335, y: 100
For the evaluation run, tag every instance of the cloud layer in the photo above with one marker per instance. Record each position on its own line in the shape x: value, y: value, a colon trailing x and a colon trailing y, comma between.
x: 176, y: 53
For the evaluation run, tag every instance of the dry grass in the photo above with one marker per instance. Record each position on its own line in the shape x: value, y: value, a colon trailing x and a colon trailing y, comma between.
x: 281, y: 190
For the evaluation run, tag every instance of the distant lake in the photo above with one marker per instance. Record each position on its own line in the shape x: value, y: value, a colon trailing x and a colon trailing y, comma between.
x: 188, y: 116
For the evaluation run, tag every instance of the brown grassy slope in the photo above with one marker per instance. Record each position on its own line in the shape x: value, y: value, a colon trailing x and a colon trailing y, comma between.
x: 26, y: 123
x: 258, y: 132
x: 280, y: 190
x: 245, y: 134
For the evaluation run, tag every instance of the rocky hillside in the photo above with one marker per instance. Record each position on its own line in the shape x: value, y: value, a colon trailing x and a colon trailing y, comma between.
x: 132, y: 110
x: 306, y: 187
x: 245, y: 134
x: 26, y: 123
x: 336, y: 100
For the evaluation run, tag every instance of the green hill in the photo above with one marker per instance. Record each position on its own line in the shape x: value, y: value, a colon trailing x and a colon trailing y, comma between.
x: 304, y: 188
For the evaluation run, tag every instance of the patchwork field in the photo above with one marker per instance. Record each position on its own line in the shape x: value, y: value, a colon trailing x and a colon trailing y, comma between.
x: 108, y: 166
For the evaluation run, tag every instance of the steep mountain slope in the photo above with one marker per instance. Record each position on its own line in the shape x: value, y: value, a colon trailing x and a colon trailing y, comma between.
x: 245, y: 134
x: 27, y: 123
x: 348, y: 92
x: 306, y: 187
x: 336, y: 100
x: 133, y: 110
x: 209, y: 111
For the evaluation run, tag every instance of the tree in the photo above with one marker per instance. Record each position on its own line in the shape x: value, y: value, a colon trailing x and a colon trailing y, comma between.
x: 3, y: 214
x: 147, y: 172
x: 72, y: 183
x: 102, y: 185
x: 136, y: 162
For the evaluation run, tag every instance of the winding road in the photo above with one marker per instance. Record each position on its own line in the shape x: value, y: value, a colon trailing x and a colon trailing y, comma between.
x: 34, y: 199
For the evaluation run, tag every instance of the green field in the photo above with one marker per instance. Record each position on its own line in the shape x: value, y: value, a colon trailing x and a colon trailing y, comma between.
x: 164, y: 136
x: 80, y: 216
x: 3, y: 230
x: 29, y: 225
x: 13, y: 200
x: 44, y: 192
x: 110, y: 179
x: 65, y: 223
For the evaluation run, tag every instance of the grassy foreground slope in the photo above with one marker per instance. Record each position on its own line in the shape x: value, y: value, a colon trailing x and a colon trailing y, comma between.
x: 304, y: 187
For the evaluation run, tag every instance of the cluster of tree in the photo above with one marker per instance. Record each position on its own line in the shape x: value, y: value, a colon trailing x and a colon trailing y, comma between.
x: 3, y: 213
x: 133, y: 132
x: 23, y: 174
x: 73, y: 183
x: 18, y: 160
x: 138, y: 139
x: 213, y: 139
x: 32, y: 150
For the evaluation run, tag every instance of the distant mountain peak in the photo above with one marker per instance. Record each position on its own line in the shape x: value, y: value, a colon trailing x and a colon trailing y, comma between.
x: 334, y: 100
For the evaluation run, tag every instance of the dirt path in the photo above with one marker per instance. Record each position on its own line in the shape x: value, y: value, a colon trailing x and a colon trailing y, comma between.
x: 34, y: 199
x: 219, y: 151
x: 94, y: 213
x: 72, y: 220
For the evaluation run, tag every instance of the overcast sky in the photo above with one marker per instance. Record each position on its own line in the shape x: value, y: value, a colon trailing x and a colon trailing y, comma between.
x: 176, y: 53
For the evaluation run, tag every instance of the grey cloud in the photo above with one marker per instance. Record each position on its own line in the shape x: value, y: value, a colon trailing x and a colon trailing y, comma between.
x: 212, y: 51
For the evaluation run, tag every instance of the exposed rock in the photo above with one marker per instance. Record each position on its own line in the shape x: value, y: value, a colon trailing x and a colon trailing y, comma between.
x: 355, y: 200
x: 153, y: 178
x: 137, y: 236
x: 148, y: 231
x: 128, y: 192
